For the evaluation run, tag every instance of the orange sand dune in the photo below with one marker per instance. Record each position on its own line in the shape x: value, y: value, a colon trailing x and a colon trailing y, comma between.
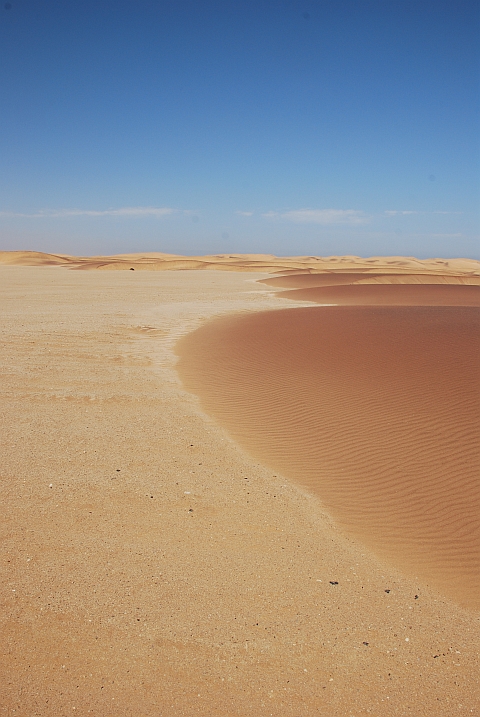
x: 267, y: 263
x: 389, y: 295
x: 376, y: 410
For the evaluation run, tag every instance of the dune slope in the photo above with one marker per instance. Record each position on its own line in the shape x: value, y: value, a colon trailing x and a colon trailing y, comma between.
x: 376, y: 410
x: 308, y: 281
x: 388, y: 295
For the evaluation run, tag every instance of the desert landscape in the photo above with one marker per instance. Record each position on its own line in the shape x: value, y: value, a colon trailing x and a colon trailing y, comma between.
x: 240, y: 485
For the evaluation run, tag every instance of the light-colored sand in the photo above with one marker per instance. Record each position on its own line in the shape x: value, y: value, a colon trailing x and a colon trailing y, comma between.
x: 149, y: 565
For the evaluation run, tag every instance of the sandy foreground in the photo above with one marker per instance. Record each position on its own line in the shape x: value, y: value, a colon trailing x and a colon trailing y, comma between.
x: 150, y: 565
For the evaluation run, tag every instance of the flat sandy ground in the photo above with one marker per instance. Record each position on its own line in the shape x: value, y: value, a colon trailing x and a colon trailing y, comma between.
x: 150, y: 565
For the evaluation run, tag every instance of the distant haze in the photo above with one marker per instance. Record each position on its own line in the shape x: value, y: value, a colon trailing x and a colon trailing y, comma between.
x: 290, y: 127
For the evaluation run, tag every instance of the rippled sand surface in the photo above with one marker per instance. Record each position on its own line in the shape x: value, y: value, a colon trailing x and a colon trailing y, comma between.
x: 377, y: 410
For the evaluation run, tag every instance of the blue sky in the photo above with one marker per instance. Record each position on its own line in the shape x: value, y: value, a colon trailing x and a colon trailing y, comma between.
x: 286, y: 127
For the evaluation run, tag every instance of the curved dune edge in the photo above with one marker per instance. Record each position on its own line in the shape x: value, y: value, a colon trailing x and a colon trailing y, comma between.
x: 305, y: 281
x: 375, y: 410
x: 359, y: 294
x: 267, y: 263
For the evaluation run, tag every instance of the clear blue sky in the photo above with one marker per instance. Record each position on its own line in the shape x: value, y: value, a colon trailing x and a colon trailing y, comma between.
x: 287, y: 127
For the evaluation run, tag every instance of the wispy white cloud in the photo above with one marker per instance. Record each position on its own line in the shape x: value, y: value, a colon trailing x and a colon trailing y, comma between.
x: 120, y: 212
x: 440, y: 236
x: 321, y: 216
x: 402, y: 212
x: 244, y: 214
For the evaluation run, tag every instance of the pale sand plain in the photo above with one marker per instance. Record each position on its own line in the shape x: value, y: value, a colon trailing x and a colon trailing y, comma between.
x: 153, y: 566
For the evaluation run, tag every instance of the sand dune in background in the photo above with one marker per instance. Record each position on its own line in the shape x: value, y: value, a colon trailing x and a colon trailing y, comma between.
x: 32, y: 258
x: 388, y: 295
x: 420, y: 279
x: 308, y: 281
x: 376, y: 410
x: 267, y: 263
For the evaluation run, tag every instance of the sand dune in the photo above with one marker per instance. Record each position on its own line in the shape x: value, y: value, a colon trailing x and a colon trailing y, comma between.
x: 463, y: 280
x: 266, y: 263
x: 389, y: 295
x: 377, y: 410
x: 360, y: 294
x: 32, y: 258
x: 308, y: 280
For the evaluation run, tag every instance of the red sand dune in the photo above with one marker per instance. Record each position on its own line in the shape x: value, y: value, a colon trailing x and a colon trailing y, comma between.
x: 377, y: 410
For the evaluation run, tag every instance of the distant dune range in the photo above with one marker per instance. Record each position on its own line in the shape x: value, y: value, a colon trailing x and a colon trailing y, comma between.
x: 375, y: 267
x: 377, y: 410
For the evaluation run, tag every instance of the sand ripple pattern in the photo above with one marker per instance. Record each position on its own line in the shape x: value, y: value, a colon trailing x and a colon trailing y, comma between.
x: 375, y: 409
